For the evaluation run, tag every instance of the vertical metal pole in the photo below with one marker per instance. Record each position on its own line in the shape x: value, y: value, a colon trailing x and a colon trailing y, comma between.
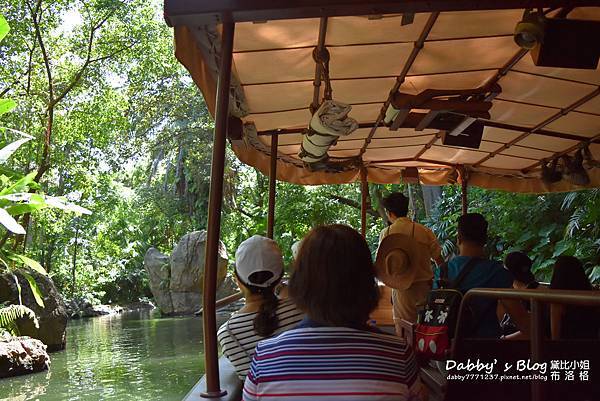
x: 464, y: 186
x: 537, y: 338
x: 215, y: 202
x: 272, y: 185
x: 364, y: 191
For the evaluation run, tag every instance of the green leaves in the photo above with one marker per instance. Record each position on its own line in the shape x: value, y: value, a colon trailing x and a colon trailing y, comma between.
x: 10, y: 223
x: 30, y: 263
x: 39, y: 201
x: 21, y: 185
x: 7, y: 105
x: 564, y: 247
x: 11, y: 148
x: 4, y: 28
x: 37, y: 293
x: 24, y: 260
x: 10, y: 314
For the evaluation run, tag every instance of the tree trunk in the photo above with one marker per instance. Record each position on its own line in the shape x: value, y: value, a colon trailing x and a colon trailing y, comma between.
x: 431, y: 195
x: 379, y: 196
x: 74, y: 267
x: 412, y: 204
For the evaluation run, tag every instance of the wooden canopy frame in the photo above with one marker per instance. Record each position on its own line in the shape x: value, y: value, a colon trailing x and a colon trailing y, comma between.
x: 189, y: 16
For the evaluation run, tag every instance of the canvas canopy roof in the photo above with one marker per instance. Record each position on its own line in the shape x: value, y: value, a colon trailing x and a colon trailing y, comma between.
x: 540, y: 114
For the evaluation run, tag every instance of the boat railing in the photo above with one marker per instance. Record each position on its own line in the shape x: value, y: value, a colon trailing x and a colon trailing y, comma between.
x: 536, y: 297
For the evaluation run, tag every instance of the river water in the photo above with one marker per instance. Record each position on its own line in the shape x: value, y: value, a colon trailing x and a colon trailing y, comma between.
x: 131, y: 356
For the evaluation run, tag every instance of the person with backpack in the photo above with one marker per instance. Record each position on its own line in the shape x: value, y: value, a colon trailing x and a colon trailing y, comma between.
x: 470, y: 269
x: 482, y: 273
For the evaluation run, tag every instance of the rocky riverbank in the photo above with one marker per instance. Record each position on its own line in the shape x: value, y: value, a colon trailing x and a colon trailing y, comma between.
x: 83, y: 308
x: 22, y: 355
x: 52, y: 316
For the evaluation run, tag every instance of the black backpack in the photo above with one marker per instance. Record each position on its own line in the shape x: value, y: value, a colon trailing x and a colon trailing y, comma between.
x: 437, y: 321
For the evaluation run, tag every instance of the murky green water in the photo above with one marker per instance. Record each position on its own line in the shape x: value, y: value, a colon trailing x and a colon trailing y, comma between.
x: 133, y: 356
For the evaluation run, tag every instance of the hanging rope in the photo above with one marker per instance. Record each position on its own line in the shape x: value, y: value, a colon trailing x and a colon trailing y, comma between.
x: 321, y: 57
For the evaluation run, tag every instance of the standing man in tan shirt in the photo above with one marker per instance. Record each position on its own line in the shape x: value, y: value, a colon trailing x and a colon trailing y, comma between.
x: 412, y: 294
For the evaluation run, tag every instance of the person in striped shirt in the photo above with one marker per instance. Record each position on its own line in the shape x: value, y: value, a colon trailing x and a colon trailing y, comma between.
x: 333, y: 354
x: 259, y: 268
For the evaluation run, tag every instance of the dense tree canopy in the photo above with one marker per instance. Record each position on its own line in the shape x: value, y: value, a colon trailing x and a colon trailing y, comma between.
x: 120, y: 128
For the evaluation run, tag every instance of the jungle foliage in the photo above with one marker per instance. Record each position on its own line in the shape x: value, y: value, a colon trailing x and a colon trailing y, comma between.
x: 119, y: 128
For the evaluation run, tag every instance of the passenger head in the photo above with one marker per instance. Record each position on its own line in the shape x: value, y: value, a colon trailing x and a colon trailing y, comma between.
x: 334, y: 279
x: 568, y: 274
x: 259, y: 267
x: 519, y: 265
x: 396, y: 205
x: 472, y: 229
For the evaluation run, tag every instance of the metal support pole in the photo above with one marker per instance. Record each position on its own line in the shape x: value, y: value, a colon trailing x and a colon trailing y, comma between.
x: 537, y: 338
x: 464, y: 186
x: 364, y: 191
x: 272, y: 186
x: 215, y: 202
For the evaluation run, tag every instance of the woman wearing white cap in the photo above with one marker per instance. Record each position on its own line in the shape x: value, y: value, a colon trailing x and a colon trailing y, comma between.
x: 259, y: 268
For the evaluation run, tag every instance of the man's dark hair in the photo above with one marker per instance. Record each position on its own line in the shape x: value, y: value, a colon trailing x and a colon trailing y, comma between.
x: 472, y: 227
x: 396, y: 203
x: 334, y: 279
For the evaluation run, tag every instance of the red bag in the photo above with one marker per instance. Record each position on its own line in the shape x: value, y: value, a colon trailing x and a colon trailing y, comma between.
x: 437, y: 321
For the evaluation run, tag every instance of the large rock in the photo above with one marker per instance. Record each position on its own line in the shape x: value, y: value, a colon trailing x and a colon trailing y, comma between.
x: 157, y: 266
x: 177, y: 283
x: 228, y: 287
x: 22, y: 355
x: 52, y: 318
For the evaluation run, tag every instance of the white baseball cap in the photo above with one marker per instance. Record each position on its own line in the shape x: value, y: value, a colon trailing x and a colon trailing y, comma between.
x: 257, y: 254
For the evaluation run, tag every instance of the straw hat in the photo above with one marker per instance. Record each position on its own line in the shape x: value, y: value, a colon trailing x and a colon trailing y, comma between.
x: 398, y: 260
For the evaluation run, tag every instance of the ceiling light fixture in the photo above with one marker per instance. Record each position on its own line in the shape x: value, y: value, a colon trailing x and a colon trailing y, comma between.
x: 529, y: 32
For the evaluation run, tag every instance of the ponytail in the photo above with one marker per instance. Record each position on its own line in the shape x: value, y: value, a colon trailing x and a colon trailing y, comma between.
x: 267, y: 321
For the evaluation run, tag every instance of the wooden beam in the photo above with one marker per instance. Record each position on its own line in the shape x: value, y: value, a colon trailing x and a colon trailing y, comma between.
x: 194, y: 12
x: 417, y: 46
x: 317, y: 81
x: 411, y: 123
x: 364, y: 192
x: 215, y: 203
x: 464, y: 192
x: 272, y: 186
x: 564, y: 152
x: 554, y: 117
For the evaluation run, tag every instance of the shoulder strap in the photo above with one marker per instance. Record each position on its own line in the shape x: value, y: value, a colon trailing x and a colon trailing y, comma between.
x: 443, y: 278
x: 467, y: 268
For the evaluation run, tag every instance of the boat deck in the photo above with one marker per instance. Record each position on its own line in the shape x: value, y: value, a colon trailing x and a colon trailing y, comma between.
x: 229, y: 383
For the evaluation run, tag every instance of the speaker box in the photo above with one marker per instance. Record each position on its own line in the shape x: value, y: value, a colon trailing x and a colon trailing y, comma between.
x: 569, y: 44
x: 469, y: 138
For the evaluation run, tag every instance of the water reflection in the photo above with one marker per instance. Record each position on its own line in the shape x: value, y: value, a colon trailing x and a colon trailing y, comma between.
x: 134, y: 356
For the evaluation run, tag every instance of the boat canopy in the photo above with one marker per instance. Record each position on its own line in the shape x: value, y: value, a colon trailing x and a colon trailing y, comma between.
x: 439, y: 96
